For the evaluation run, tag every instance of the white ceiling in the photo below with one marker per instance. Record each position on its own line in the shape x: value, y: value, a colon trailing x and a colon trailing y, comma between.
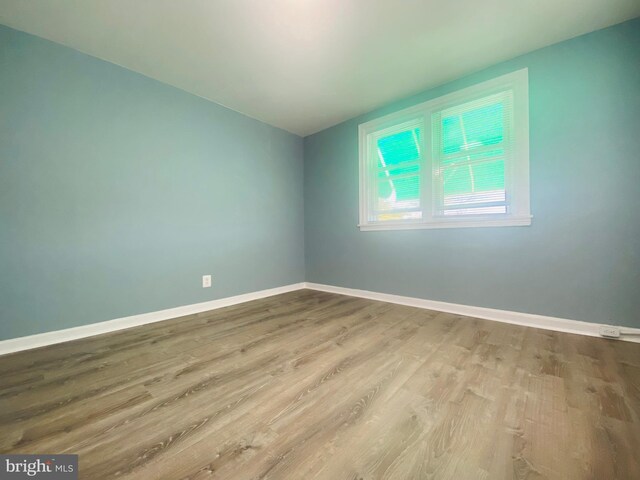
x: 304, y: 65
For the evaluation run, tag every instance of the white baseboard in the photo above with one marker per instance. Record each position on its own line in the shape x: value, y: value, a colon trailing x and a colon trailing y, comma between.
x: 517, y: 318
x: 59, y: 336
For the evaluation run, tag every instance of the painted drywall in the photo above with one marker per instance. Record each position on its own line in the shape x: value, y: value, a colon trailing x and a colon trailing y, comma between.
x: 118, y: 192
x: 580, y: 259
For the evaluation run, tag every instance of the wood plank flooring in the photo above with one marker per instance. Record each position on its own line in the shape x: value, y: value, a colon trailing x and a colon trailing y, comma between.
x: 312, y: 385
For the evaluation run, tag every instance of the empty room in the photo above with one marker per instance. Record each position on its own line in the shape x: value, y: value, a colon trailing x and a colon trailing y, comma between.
x: 320, y: 239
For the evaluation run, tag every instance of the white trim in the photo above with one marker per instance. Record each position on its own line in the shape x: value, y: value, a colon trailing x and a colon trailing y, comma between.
x: 493, y: 222
x: 75, y: 333
x: 517, y: 168
x: 517, y: 318
x: 505, y: 316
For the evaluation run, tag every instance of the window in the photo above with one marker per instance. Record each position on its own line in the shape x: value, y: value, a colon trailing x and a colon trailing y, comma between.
x: 461, y: 160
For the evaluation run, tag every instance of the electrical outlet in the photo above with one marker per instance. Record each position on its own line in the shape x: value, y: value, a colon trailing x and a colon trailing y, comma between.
x: 611, y: 332
x: 206, y: 281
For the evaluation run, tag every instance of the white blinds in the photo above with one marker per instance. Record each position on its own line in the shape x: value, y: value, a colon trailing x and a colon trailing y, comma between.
x: 397, y: 176
x: 472, y: 149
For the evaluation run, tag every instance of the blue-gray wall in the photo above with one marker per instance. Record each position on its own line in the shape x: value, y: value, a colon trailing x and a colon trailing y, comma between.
x: 581, y: 257
x: 117, y: 193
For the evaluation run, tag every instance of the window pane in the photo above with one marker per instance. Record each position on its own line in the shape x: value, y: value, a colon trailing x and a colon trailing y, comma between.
x: 399, y: 216
x: 399, y: 194
x: 398, y: 176
x: 473, y: 178
x: 472, y: 128
x: 469, y: 157
x: 399, y: 148
x: 474, y: 184
x: 470, y: 161
x: 476, y: 211
x: 392, y: 172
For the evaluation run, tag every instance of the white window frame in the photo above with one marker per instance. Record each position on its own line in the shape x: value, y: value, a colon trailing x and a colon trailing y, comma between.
x: 516, y: 171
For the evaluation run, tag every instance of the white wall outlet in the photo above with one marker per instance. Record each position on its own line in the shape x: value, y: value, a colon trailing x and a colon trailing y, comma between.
x: 611, y: 332
x: 206, y: 281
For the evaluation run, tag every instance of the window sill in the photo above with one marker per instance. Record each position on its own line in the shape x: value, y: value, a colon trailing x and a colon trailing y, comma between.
x: 521, y: 221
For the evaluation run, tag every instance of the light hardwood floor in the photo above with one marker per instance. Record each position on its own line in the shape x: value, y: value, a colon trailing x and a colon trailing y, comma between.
x: 312, y: 385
